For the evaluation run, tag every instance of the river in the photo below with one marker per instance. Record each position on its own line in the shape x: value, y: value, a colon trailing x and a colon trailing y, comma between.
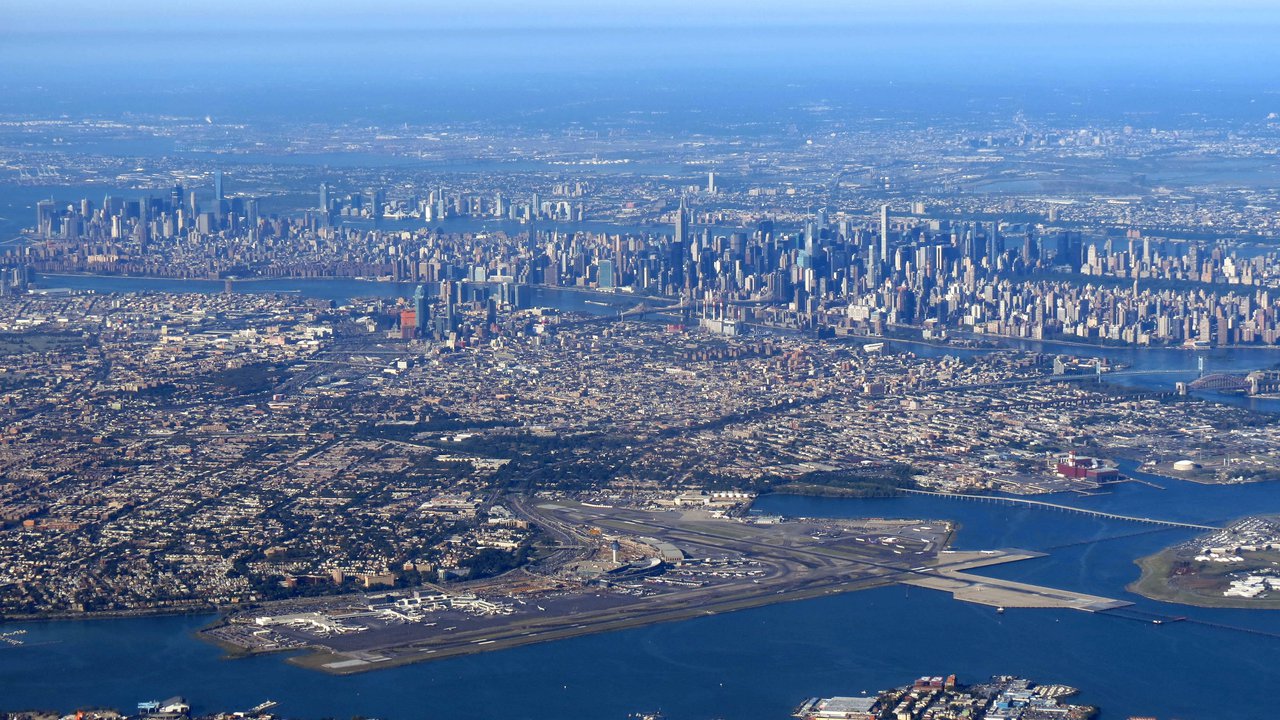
x: 755, y: 663
x: 336, y: 289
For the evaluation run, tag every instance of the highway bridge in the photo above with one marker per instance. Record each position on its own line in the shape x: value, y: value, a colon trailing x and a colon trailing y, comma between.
x: 1065, y: 508
x: 632, y: 313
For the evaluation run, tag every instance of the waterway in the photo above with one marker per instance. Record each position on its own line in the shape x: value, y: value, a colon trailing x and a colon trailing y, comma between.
x: 339, y: 290
x: 756, y: 663
x: 1162, y: 367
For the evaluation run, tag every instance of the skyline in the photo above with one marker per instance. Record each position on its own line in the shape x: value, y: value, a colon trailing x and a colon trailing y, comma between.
x: 556, y: 359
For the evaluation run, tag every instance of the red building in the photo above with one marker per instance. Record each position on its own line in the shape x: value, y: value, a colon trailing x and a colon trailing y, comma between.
x: 1082, y: 466
x: 408, y: 324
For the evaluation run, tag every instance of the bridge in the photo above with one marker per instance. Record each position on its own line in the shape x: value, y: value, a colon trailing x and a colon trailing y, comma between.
x: 1228, y: 382
x: 1065, y: 508
x: 645, y: 308
x: 636, y: 311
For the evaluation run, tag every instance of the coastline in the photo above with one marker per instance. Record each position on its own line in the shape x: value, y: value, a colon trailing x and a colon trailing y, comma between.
x: 315, y: 658
x: 342, y: 278
x: 998, y: 341
x: 111, y: 614
x: 1153, y: 584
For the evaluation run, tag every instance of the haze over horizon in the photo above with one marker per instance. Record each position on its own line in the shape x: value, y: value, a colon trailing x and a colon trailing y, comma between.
x: 174, y: 55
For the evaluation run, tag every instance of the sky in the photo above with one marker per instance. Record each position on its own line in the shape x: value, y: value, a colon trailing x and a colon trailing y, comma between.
x: 83, y: 16
x: 348, y: 56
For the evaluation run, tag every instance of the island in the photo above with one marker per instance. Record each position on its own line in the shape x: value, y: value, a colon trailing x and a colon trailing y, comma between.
x: 1235, y: 567
x: 1003, y: 697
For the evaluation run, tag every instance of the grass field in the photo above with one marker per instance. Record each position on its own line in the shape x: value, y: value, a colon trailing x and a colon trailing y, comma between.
x: 1202, y: 588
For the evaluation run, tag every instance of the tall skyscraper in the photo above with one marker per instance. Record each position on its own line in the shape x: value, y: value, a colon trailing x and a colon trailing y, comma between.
x: 251, y: 212
x: 873, y: 266
x: 711, y: 183
x: 46, y: 211
x: 324, y: 198
x: 604, y: 274
x: 681, y: 233
x: 884, y: 231
x: 217, y: 188
x: 421, y: 310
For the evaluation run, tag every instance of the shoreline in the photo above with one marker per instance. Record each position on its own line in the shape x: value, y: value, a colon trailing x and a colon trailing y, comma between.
x: 342, y: 278
x: 320, y: 657
x: 819, y: 491
x: 1153, y: 584
x: 999, y: 341
x: 313, y: 658
x: 111, y: 615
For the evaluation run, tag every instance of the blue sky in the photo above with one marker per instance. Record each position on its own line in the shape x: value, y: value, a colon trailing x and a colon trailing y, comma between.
x: 232, y: 56
x: 63, y: 16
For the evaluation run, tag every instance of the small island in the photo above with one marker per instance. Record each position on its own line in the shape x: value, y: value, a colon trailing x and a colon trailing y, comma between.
x: 1235, y: 567
x: 1004, y: 697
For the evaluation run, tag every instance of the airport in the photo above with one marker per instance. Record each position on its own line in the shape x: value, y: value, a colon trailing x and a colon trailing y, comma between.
x: 620, y: 567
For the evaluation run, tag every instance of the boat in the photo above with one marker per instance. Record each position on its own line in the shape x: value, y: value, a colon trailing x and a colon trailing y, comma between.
x: 261, y: 707
x: 1000, y: 610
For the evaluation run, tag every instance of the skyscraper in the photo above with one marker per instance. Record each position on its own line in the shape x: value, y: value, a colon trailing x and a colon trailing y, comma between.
x: 324, y: 198
x: 873, y: 266
x: 604, y: 274
x: 46, y: 211
x: 251, y: 212
x: 422, y: 313
x: 884, y: 231
x: 681, y: 233
x: 711, y: 183
x: 217, y: 187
